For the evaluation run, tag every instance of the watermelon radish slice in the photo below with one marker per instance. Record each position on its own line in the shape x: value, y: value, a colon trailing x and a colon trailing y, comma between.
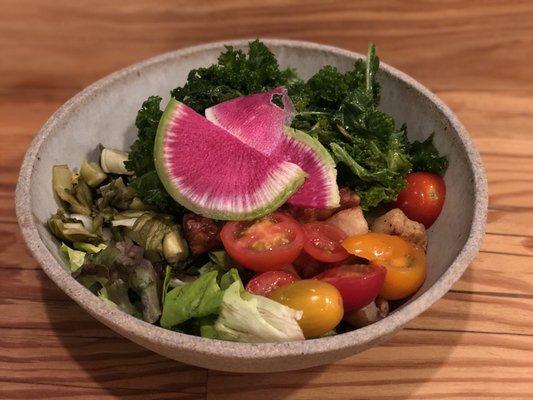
x: 212, y: 173
x: 320, y: 189
x: 255, y: 119
x: 259, y: 122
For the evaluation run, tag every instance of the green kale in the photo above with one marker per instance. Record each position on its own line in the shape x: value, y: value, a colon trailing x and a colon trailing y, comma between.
x: 141, y: 156
x: 152, y: 192
x: 340, y: 109
x: 341, y: 112
x: 141, y: 159
x: 425, y: 157
x: 235, y: 74
x: 376, y: 176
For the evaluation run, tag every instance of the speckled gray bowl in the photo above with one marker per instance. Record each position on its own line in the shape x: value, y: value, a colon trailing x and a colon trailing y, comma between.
x: 105, y: 113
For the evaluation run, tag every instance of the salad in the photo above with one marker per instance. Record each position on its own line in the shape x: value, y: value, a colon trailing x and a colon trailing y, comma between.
x: 256, y: 206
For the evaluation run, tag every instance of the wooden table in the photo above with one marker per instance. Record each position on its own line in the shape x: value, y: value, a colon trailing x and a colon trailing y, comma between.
x: 475, y: 343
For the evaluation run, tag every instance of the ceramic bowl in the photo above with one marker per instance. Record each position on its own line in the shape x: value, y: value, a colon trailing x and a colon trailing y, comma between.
x: 105, y: 113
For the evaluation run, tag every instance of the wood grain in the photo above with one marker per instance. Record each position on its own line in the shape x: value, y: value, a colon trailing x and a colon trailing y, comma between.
x: 414, y: 365
x: 475, y: 343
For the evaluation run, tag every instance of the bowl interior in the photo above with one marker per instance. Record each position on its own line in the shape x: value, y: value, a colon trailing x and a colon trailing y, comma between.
x: 105, y: 113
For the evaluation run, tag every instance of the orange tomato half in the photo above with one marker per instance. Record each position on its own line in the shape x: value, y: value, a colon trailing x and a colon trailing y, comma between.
x: 405, y: 262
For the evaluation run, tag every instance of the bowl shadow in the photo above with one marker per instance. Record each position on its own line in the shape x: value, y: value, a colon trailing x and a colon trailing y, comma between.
x: 103, y: 364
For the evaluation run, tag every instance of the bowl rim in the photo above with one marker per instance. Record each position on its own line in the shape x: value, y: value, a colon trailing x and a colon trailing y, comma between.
x: 148, y: 333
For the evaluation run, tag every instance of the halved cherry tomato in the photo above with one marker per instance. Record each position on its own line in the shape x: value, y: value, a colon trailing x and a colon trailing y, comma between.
x: 263, y: 284
x: 265, y: 244
x: 405, y: 262
x: 323, y: 242
x: 358, y: 284
x: 320, y: 302
x: 351, y: 260
x: 307, y: 266
x: 423, y: 198
x: 289, y: 268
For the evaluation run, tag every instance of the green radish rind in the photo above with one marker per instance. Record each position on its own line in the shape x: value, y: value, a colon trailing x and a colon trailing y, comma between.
x: 326, y: 161
x: 269, y: 206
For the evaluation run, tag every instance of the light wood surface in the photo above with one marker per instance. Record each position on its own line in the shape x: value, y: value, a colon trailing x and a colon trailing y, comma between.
x: 475, y: 343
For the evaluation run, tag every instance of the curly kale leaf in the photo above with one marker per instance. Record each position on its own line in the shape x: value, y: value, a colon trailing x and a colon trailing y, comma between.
x: 340, y: 109
x: 341, y: 112
x: 235, y: 74
x: 141, y: 159
x: 152, y: 192
x: 375, y: 171
x: 425, y: 157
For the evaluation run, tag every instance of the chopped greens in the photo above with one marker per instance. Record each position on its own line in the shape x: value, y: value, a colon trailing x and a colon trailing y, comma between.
x: 141, y: 159
x: 197, y: 299
x: 76, y: 258
x: 141, y: 156
x: 112, y: 161
x: 340, y: 109
x: 89, y: 248
x: 70, y: 229
x: 236, y: 74
x: 92, y: 173
x: 425, y: 157
x: 341, y: 112
x: 72, y: 190
x: 245, y: 317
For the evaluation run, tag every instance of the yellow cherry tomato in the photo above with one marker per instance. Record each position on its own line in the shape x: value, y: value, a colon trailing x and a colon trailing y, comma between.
x: 405, y: 262
x: 320, y: 302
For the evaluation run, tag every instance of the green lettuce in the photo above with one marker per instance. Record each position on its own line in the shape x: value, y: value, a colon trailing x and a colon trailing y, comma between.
x: 166, y: 282
x: 116, y: 293
x: 76, y: 258
x: 89, y: 248
x: 245, y: 317
x: 197, y: 299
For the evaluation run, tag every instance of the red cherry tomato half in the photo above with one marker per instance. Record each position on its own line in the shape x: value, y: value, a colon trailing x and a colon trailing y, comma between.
x: 423, y: 198
x: 263, y: 284
x: 404, y: 261
x: 266, y: 244
x: 289, y: 268
x: 358, y: 284
x: 307, y: 267
x: 323, y: 242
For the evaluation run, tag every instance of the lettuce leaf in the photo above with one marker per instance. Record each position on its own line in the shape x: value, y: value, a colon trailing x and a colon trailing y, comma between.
x: 76, y: 258
x: 197, y: 299
x: 89, y: 248
x: 116, y: 293
x: 245, y: 317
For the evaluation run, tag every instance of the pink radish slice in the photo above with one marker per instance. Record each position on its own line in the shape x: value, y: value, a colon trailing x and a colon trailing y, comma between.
x: 213, y: 173
x: 255, y: 119
x: 262, y: 124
